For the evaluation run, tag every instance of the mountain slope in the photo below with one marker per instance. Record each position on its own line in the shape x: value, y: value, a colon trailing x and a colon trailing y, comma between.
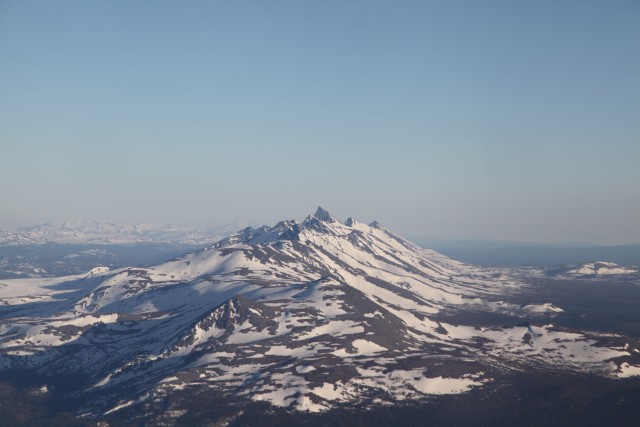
x: 307, y: 315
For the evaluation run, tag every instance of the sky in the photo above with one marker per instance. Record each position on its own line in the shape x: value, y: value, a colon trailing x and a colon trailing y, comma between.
x: 506, y: 120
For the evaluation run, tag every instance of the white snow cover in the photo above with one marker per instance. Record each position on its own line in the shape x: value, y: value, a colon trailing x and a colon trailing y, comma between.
x: 543, y: 308
x: 84, y: 232
x: 270, y: 313
x: 626, y: 370
x: 362, y: 347
x: 602, y: 268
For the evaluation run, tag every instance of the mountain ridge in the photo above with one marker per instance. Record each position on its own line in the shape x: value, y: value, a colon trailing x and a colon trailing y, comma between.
x: 308, y: 315
x: 96, y: 232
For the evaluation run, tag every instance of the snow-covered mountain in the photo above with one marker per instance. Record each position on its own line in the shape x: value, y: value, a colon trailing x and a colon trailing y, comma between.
x: 601, y: 268
x: 94, y: 232
x: 14, y: 238
x: 305, y: 315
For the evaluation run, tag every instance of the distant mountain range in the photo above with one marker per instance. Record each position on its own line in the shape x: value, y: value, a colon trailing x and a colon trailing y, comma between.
x: 308, y: 316
x: 94, y: 232
x: 601, y: 268
x: 497, y: 253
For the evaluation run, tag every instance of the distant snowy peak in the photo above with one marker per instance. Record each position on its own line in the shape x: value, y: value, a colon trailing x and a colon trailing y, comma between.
x: 97, y: 271
x: 79, y: 226
x: 8, y: 238
x: 602, y: 268
x: 95, y: 232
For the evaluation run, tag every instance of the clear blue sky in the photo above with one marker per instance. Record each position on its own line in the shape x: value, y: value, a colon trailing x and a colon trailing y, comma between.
x: 516, y: 120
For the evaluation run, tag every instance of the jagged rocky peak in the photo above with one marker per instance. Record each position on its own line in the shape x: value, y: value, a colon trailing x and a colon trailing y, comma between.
x: 236, y: 311
x: 324, y: 215
x: 287, y: 230
x: 376, y: 224
x: 243, y: 236
x: 249, y: 233
x: 320, y: 222
x: 284, y: 230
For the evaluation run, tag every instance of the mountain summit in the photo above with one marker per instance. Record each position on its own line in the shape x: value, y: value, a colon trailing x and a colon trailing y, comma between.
x: 307, y: 315
x: 324, y: 215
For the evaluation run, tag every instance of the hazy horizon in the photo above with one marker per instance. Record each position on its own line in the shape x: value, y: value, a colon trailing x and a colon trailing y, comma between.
x: 419, y: 239
x: 459, y: 120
